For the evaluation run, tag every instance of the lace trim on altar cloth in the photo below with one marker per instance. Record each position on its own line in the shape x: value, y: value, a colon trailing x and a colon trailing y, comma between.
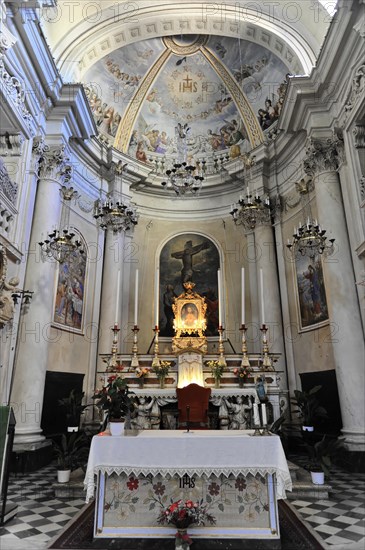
x: 283, y: 479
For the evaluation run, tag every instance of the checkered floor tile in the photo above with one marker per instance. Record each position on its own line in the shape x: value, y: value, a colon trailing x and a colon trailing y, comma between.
x: 339, y: 521
x: 40, y: 515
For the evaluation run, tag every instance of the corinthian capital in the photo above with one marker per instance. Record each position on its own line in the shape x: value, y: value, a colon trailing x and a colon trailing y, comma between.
x: 52, y: 161
x: 324, y: 155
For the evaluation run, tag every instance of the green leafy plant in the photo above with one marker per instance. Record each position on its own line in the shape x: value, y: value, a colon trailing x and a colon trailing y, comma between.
x: 74, y: 407
x: 322, y: 452
x: 72, y: 451
x: 115, y: 398
x: 309, y: 407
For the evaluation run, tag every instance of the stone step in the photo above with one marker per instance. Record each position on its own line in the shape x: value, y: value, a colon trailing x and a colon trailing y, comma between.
x: 73, y: 489
x: 303, y: 487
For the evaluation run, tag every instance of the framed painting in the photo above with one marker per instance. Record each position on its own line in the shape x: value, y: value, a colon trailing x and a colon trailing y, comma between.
x: 311, y: 294
x: 188, y: 257
x: 70, y: 291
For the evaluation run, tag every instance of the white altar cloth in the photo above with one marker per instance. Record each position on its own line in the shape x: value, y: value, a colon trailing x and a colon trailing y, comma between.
x: 204, y: 452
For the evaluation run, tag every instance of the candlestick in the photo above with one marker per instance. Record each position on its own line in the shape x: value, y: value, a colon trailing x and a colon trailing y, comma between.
x: 262, y: 296
x: 117, y: 301
x: 157, y: 282
x: 242, y: 295
x: 256, y: 416
x: 136, y: 300
x: 219, y: 298
x: 263, y: 413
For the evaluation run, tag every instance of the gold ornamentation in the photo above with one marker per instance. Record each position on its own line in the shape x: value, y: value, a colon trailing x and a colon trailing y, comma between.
x: 189, y: 311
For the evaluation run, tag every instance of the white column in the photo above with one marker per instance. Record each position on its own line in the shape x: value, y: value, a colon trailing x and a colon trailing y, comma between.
x: 113, y: 263
x: 344, y: 311
x: 35, y: 334
x: 266, y: 260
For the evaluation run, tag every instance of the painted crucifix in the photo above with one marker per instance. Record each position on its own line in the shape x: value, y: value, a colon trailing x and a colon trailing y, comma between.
x: 186, y: 256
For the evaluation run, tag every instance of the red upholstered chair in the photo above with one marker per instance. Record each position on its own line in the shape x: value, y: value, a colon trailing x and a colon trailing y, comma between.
x: 193, y: 403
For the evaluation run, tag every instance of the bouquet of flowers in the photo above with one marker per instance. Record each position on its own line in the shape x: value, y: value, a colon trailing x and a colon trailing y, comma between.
x: 216, y: 368
x: 181, y: 514
x: 114, y: 398
x: 162, y: 369
x: 141, y: 372
x: 241, y: 373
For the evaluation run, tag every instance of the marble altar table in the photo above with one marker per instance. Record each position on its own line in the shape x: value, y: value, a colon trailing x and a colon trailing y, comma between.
x: 238, y: 475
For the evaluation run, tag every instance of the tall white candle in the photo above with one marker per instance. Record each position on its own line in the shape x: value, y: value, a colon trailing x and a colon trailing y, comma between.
x: 219, y: 297
x: 262, y: 296
x: 157, y: 293
x: 256, y: 416
x: 263, y: 413
x: 242, y: 295
x: 136, y: 300
x: 117, y: 301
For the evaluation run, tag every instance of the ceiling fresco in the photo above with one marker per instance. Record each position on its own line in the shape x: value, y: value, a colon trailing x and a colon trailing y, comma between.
x: 145, y: 91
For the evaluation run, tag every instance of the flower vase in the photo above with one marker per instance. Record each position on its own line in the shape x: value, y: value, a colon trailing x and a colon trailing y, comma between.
x: 182, y: 540
x: 162, y: 382
x: 217, y: 383
x: 241, y: 382
x: 140, y: 382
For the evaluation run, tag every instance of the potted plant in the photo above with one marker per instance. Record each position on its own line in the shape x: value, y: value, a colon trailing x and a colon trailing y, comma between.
x: 74, y: 409
x: 320, y: 455
x: 309, y: 407
x: 71, y: 452
x: 116, y: 401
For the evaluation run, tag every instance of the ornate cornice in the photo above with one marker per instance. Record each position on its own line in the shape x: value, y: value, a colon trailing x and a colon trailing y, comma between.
x: 13, y: 91
x: 7, y: 39
x: 356, y: 92
x: 324, y: 155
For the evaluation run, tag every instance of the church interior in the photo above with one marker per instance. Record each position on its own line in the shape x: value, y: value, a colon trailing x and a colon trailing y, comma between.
x: 245, y: 123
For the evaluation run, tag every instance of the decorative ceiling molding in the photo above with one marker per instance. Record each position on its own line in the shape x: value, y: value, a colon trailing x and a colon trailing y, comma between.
x: 90, y: 45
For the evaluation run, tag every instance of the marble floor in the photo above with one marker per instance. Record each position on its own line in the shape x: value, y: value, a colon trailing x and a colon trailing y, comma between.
x: 339, y: 521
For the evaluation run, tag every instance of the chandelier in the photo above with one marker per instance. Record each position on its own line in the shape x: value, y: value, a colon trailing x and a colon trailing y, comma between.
x: 115, y: 215
x: 309, y: 239
x: 251, y: 210
x: 183, y: 177
x: 61, y: 244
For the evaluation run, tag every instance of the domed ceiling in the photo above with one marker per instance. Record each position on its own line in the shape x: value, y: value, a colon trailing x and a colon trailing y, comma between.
x: 224, y: 93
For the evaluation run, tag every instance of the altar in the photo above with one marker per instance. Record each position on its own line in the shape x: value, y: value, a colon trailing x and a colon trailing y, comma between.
x: 239, y: 476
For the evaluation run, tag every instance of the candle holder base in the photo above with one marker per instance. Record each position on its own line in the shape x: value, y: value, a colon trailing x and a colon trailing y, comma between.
x: 256, y: 432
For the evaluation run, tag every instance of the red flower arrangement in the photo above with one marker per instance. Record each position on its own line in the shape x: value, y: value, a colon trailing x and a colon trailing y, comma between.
x: 241, y: 373
x: 181, y: 514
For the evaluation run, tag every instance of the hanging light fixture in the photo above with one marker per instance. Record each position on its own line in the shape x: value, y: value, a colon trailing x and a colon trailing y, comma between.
x: 182, y: 176
x: 309, y: 238
x: 114, y: 214
x: 251, y: 210
x: 61, y: 244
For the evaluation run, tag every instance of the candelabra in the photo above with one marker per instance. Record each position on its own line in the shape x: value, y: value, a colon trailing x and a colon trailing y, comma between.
x: 134, y: 361
x: 113, y: 361
x: 245, y: 360
x: 61, y: 244
x: 156, y: 359
x: 221, y: 360
x: 266, y: 363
